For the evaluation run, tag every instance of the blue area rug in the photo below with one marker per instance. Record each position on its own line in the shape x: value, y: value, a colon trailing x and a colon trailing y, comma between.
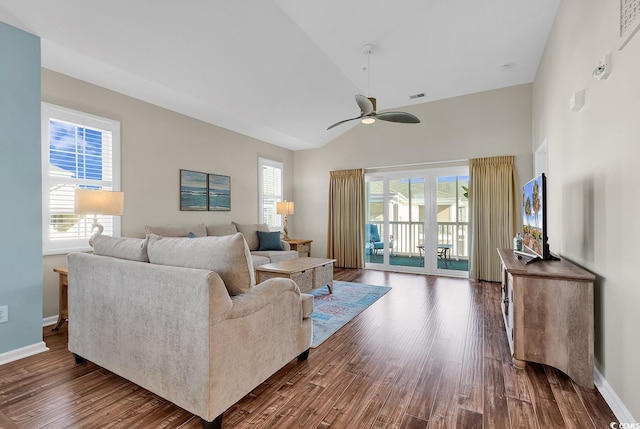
x: 332, y: 311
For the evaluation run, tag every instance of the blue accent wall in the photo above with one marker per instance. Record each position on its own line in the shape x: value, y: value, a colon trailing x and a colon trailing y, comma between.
x: 20, y: 189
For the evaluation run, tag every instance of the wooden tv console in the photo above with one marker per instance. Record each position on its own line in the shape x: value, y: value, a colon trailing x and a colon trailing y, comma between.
x: 548, y: 314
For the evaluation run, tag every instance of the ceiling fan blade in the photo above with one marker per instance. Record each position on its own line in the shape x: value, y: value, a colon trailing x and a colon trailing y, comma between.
x: 403, y: 117
x: 342, y: 122
x: 366, y: 106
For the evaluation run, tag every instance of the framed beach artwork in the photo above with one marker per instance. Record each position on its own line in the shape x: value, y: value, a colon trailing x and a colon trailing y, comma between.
x: 219, y: 192
x: 193, y: 190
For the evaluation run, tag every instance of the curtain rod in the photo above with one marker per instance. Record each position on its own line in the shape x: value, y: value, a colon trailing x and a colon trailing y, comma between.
x: 432, y: 163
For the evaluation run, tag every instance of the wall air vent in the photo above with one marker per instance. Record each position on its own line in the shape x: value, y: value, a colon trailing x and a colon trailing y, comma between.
x: 414, y: 96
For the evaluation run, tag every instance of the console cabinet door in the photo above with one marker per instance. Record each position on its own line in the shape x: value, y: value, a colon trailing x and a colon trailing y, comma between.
x: 507, y: 305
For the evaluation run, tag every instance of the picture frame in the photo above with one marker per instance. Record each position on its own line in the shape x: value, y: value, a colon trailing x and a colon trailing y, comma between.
x: 193, y: 190
x: 629, y: 20
x: 219, y: 192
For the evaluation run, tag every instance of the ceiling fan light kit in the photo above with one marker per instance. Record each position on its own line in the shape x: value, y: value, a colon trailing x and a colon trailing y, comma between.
x: 367, y: 105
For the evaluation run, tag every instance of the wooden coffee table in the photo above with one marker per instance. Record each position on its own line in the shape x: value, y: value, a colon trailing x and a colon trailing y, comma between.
x: 308, y: 273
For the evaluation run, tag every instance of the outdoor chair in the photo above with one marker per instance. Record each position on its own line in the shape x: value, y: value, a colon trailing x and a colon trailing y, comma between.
x: 373, y: 239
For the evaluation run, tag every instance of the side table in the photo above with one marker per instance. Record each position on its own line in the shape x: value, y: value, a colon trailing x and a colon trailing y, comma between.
x: 302, y: 246
x: 63, y: 284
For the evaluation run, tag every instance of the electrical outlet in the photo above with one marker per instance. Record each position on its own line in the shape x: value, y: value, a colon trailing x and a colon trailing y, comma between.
x: 4, y: 314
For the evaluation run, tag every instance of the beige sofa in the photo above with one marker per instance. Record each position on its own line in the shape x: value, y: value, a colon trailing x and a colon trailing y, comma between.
x: 184, y: 318
x: 248, y: 230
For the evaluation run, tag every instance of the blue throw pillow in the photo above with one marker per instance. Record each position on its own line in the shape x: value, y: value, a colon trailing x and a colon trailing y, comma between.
x: 269, y: 240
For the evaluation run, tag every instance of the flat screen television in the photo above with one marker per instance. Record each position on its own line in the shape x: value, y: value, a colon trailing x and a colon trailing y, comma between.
x: 534, y: 219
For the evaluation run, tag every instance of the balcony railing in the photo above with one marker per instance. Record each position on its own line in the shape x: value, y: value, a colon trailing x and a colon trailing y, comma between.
x: 407, y: 236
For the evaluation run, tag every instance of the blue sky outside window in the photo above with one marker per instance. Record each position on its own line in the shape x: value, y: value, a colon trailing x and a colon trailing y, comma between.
x: 77, y: 150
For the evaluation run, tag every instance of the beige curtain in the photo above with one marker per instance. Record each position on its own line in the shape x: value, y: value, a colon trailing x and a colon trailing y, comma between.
x: 346, y: 218
x: 494, y: 215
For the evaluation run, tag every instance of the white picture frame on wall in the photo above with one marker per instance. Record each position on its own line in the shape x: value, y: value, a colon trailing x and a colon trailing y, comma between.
x: 629, y: 20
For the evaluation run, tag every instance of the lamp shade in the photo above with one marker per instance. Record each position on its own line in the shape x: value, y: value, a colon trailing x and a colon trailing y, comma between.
x: 99, y: 202
x: 285, y: 207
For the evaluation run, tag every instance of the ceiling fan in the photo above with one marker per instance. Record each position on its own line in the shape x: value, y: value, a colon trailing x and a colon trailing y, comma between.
x: 367, y: 105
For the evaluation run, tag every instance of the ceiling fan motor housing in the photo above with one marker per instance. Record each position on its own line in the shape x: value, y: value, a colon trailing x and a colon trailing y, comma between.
x: 373, y: 101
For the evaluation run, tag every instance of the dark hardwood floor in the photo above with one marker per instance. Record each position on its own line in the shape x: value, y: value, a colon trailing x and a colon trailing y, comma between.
x: 430, y: 353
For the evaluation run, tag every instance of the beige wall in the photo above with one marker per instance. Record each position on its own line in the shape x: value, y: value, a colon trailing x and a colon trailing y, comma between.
x: 485, y: 124
x: 594, y: 175
x: 156, y: 144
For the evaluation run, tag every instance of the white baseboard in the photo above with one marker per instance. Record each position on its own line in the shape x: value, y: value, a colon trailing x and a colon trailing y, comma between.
x: 23, y: 352
x: 48, y: 321
x: 611, y: 398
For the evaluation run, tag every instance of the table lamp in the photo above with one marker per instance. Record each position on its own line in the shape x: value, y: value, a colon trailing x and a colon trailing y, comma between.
x: 285, y: 208
x: 98, y: 202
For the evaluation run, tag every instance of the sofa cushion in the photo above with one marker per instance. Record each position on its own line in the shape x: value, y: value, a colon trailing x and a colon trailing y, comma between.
x: 226, y: 255
x: 218, y: 230
x: 249, y: 231
x: 269, y: 240
x: 133, y: 249
x: 275, y: 255
x: 177, y: 231
x: 259, y: 260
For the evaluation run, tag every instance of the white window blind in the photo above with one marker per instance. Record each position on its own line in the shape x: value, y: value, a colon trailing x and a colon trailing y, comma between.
x: 270, y: 177
x: 78, y: 151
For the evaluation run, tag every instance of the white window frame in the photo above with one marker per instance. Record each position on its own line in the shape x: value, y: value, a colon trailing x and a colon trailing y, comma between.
x: 264, y: 162
x: 81, y: 242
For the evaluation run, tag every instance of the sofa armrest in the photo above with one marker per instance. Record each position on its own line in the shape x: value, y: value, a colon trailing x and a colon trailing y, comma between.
x: 260, y: 296
x: 263, y: 331
x: 307, y: 305
x: 285, y: 245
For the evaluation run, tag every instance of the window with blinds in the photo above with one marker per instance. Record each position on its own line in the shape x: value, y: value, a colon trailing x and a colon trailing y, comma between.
x: 78, y: 151
x: 270, y: 179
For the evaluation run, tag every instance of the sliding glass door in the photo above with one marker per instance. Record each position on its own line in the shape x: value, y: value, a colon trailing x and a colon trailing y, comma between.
x: 452, y: 222
x: 406, y: 220
x: 417, y: 221
x: 377, y: 250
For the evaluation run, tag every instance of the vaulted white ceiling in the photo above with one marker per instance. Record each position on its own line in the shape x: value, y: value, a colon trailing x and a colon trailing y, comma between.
x: 282, y: 71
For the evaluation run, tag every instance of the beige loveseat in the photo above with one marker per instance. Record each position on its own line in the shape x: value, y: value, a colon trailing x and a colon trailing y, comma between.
x: 191, y: 325
x: 248, y: 230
